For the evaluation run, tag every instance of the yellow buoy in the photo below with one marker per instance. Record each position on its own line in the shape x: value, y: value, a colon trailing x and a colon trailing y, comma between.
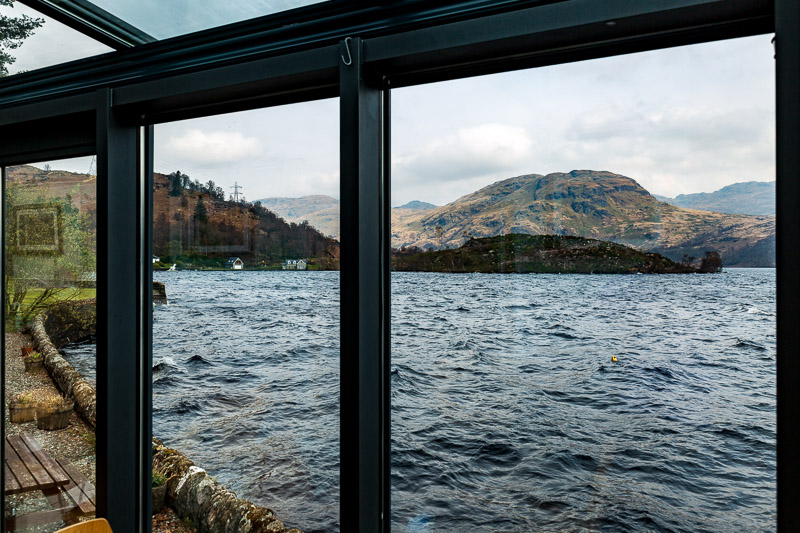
x: 614, y: 358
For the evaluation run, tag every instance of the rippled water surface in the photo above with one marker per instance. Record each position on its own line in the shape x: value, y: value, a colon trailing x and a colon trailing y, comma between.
x: 508, y: 412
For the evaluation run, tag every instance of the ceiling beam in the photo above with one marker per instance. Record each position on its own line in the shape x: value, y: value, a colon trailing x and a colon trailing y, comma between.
x: 197, y: 75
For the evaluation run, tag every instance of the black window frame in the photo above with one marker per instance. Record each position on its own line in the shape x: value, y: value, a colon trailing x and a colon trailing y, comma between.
x: 108, y: 105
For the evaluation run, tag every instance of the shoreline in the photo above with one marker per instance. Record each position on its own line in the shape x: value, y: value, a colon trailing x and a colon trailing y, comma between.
x: 190, y: 489
x: 75, y: 443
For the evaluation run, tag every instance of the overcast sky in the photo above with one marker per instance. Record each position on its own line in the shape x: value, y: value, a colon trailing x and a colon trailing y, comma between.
x: 682, y: 120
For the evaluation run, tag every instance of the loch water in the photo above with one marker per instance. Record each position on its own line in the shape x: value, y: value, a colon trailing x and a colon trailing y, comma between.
x: 508, y: 413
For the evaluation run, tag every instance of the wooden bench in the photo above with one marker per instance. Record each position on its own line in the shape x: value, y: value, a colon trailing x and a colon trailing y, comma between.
x: 29, y: 468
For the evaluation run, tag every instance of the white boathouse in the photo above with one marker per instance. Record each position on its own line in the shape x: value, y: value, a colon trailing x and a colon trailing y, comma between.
x: 234, y: 263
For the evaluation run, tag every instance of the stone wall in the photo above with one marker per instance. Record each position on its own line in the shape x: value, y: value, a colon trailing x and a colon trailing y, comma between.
x: 71, y: 321
x: 193, y: 494
x: 201, y: 499
x: 63, y: 324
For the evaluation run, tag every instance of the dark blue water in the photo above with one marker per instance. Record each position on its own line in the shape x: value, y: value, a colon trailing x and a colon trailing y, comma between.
x: 508, y: 412
x: 82, y: 356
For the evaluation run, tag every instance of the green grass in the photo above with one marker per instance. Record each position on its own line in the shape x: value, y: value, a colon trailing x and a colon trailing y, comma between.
x: 158, y: 478
x: 60, y: 296
x: 31, y: 302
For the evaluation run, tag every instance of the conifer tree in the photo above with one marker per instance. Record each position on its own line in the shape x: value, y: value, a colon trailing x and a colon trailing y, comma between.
x: 13, y: 30
x: 200, y: 213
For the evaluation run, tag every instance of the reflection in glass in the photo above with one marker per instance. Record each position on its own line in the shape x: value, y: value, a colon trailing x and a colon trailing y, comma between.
x: 178, y: 17
x: 46, y: 42
x: 50, y: 313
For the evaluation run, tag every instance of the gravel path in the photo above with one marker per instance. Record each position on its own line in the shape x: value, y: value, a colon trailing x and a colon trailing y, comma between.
x: 168, y: 522
x: 75, y: 443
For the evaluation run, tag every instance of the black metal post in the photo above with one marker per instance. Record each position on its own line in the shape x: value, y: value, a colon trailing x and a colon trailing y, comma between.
x: 145, y: 152
x: 787, y: 78
x: 364, y: 321
x: 119, y: 265
x: 386, y: 269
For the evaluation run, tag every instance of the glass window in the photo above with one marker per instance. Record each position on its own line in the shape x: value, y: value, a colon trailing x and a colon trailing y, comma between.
x: 44, y: 42
x: 583, y: 296
x: 178, y: 17
x: 50, y: 312
x: 245, y: 341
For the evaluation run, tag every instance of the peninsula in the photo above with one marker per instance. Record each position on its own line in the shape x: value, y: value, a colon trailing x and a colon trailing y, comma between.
x: 546, y: 254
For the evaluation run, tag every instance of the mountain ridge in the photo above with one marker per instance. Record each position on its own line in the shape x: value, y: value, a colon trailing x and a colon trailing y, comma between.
x: 743, y: 198
x: 593, y: 204
x: 322, y: 211
x: 416, y: 204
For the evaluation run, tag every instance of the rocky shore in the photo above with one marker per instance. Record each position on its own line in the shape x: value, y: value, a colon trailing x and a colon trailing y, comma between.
x: 198, y: 502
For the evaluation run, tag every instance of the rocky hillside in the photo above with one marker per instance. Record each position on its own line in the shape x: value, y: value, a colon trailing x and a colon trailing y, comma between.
x: 194, y: 225
x: 544, y: 254
x: 592, y: 204
x: 746, y: 198
x: 80, y: 189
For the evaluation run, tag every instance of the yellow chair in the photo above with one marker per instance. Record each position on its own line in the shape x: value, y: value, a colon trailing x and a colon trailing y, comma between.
x: 98, y: 525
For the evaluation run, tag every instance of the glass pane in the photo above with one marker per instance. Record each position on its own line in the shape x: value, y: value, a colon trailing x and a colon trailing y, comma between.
x: 46, y: 42
x: 245, y: 346
x: 583, y: 296
x: 178, y: 17
x: 50, y: 312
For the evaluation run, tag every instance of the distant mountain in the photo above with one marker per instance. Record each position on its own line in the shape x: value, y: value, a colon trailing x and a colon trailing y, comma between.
x: 321, y: 212
x: 746, y: 198
x: 298, y: 207
x: 416, y: 204
x: 592, y: 204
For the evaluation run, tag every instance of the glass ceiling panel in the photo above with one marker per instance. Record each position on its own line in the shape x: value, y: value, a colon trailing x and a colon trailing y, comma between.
x: 178, y: 17
x: 46, y: 44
